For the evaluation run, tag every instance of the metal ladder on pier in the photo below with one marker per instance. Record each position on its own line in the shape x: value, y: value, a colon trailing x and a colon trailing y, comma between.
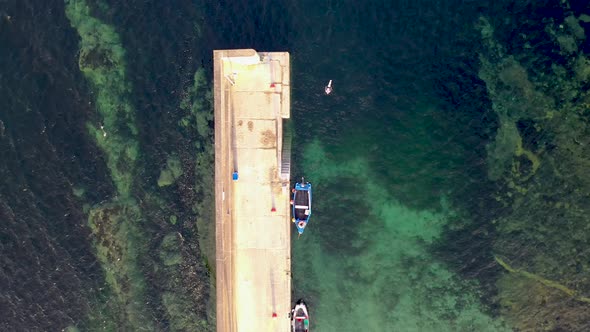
x: 286, y: 156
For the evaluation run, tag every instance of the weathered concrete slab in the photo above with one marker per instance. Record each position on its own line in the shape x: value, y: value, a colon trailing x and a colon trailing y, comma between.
x: 256, y: 134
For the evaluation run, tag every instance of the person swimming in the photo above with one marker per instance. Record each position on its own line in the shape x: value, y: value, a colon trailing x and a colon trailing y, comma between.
x: 328, y: 88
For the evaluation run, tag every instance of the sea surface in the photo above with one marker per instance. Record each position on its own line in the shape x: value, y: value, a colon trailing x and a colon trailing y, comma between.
x: 449, y: 164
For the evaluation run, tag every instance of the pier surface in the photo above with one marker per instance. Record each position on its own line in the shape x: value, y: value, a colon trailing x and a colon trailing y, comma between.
x: 253, y: 251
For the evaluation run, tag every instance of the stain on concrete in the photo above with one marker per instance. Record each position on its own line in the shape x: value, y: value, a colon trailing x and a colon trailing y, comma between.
x: 268, y: 138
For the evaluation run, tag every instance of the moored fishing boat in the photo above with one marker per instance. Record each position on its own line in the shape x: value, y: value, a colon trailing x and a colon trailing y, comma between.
x: 300, y: 317
x: 301, y: 204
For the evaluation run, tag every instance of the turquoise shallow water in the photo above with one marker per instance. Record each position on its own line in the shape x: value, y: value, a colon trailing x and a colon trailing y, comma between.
x: 449, y: 164
x: 369, y: 261
x: 389, y: 157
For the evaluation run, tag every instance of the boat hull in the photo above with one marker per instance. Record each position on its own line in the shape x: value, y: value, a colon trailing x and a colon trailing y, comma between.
x: 301, y: 205
x: 300, y: 317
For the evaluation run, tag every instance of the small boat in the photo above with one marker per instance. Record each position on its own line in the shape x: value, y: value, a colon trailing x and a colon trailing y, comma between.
x: 300, y: 317
x: 301, y: 204
x: 328, y: 88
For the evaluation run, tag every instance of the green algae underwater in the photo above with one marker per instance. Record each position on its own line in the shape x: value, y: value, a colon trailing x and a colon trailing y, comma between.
x: 121, y: 228
x: 449, y: 164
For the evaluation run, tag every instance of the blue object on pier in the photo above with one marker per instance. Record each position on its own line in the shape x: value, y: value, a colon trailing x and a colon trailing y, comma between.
x: 235, y: 176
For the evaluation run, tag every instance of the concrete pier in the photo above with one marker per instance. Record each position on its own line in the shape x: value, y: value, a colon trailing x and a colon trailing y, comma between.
x: 253, y: 252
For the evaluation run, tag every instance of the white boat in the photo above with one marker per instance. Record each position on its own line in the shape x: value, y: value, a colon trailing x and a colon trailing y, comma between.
x: 300, y: 317
x: 328, y: 88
